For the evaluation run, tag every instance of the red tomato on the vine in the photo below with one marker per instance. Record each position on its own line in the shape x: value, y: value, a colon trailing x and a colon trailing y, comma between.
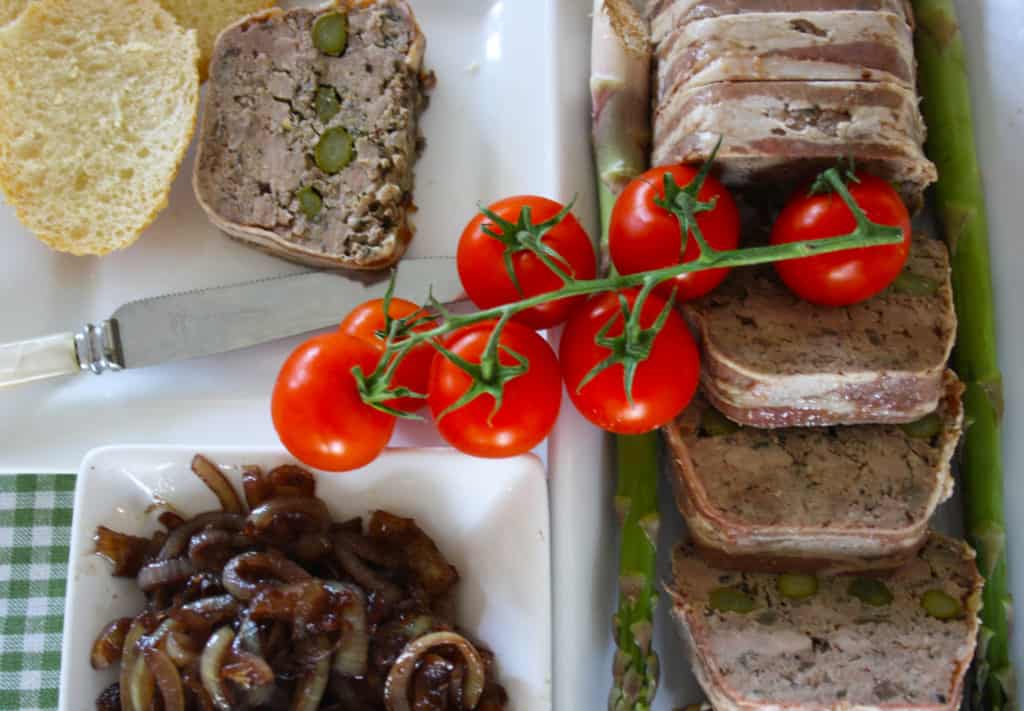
x: 643, y: 236
x: 853, y: 275
x: 663, y: 385
x: 530, y: 402
x: 316, y: 407
x: 482, y: 267
x: 366, y: 322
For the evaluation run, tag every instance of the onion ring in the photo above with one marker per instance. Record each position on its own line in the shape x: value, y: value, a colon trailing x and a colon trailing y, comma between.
x: 109, y: 644
x: 177, y: 541
x: 214, y: 478
x: 354, y: 650
x: 237, y: 579
x: 164, y: 572
x: 210, y: 664
x: 396, y: 688
x: 168, y: 681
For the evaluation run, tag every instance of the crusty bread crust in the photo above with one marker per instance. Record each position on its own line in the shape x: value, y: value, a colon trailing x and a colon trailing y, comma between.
x: 731, y: 541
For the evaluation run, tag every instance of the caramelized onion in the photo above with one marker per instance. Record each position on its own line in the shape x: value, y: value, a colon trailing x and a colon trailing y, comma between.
x: 180, y: 647
x: 211, y: 548
x: 178, y: 540
x: 164, y: 572
x: 396, y: 688
x: 210, y: 665
x: 246, y: 612
x: 170, y: 520
x: 109, y: 644
x: 290, y: 516
x: 168, y: 681
x: 291, y: 480
x: 311, y: 686
x: 350, y: 659
x: 361, y: 573
x: 246, y: 574
x: 129, y: 655
x: 214, y: 478
x: 255, y: 486
x: 126, y: 553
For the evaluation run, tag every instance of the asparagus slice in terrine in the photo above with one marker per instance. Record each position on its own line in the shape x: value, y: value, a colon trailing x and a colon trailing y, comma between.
x: 786, y: 46
x: 773, y: 360
x: 667, y: 15
x: 830, y: 499
x: 848, y: 643
x: 307, y: 151
x: 788, y: 131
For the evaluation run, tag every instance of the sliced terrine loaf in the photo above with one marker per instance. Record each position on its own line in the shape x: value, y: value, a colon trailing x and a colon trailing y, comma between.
x: 782, y: 132
x: 667, y: 15
x: 309, y: 134
x: 830, y: 499
x: 787, y: 46
x: 773, y: 360
x: 763, y: 642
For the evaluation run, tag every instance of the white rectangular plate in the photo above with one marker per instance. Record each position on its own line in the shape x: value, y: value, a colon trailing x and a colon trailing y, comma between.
x: 491, y: 524
x: 490, y: 132
x: 584, y: 539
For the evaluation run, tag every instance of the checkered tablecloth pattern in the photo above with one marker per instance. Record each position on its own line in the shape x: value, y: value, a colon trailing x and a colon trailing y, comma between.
x: 35, y: 532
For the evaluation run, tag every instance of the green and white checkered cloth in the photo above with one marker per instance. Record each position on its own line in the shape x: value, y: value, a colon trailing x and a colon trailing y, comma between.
x: 35, y: 533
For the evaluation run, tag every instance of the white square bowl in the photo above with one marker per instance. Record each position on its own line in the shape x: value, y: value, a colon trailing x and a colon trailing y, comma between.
x: 489, y: 518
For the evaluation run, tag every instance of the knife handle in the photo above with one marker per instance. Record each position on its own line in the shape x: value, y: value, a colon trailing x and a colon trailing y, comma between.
x: 38, y: 358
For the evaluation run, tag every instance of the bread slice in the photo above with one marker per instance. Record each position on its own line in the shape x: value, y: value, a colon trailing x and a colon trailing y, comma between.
x: 9, y: 9
x: 773, y: 360
x: 261, y: 127
x: 831, y: 650
x: 99, y: 104
x: 818, y: 498
x: 209, y: 18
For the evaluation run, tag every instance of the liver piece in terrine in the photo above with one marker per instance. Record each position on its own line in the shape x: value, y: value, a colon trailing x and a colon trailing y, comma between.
x: 785, y: 132
x: 667, y: 15
x: 773, y: 360
x: 786, y: 46
x: 831, y: 650
x: 829, y: 499
x: 261, y: 127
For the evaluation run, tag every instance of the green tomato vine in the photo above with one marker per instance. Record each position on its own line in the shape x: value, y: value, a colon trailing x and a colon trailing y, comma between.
x: 633, y: 345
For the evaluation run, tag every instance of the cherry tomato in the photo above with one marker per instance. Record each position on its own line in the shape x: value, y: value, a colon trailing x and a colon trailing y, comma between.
x: 529, y: 405
x: 850, y: 276
x: 482, y: 267
x: 643, y: 236
x: 316, y: 407
x: 663, y: 385
x: 366, y: 322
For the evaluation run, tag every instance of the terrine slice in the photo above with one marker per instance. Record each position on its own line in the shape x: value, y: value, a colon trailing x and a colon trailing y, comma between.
x: 772, y: 359
x: 788, y: 131
x: 851, y: 643
x: 787, y: 46
x: 666, y: 15
x: 272, y: 96
x: 830, y: 499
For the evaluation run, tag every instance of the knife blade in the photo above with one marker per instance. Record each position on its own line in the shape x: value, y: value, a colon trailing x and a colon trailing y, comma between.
x: 219, y: 319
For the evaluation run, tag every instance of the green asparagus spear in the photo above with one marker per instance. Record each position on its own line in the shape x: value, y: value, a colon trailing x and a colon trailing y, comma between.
x: 635, y: 670
x: 619, y: 80
x: 960, y: 201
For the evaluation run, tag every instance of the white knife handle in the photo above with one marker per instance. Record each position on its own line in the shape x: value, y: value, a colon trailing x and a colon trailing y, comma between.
x: 37, y: 358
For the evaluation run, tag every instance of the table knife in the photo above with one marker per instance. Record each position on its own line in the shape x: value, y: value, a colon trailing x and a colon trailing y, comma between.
x: 225, y: 318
